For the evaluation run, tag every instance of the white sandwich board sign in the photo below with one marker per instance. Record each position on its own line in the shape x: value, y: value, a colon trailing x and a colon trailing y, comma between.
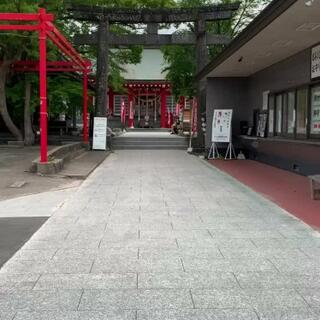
x: 221, y: 125
x: 99, y: 133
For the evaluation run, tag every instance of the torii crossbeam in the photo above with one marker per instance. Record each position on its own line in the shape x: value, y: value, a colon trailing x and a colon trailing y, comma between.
x: 104, y: 39
x: 154, y: 15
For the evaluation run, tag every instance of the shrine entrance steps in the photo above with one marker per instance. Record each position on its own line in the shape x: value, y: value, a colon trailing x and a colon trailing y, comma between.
x: 149, y: 139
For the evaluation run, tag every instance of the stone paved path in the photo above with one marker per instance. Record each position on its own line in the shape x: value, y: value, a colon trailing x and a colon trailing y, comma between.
x: 161, y: 236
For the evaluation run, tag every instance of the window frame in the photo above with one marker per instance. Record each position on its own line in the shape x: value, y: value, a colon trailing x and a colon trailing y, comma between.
x: 271, y: 104
x: 303, y: 136
x: 276, y: 133
x: 122, y: 96
x: 285, y: 113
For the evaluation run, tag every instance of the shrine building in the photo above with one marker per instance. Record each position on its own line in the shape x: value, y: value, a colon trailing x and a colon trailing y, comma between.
x: 147, y: 95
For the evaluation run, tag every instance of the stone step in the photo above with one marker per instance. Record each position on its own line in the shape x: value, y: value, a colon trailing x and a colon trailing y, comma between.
x: 146, y: 139
x: 148, y: 130
x: 149, y: 147
x: 149, y: 141
x: 155, y: 143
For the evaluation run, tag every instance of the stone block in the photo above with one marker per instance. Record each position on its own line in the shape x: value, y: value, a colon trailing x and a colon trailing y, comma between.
x: 135, y: 299
x: 220, y: 299
x: 185, y: 280
x: 286, y: 314
x: 18, y: 281
x: 311, y: 296
x: 275, y: 298
x: 50, y: 167
x: 75, y: 315
x: 87, y: 281
x: 28, y: 300
x: 202, y: 314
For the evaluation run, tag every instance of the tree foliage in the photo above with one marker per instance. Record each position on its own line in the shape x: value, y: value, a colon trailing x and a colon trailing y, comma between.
x: 182, y: 60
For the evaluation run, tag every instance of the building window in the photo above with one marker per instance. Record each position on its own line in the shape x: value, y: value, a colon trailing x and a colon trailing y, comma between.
x: 302, y: 111
x: 278, y: 113
x: 282, y: 116
x: 290, y: 112
x: 117, y: 104
x: 271, y: 116
x: 315, y: 111
x: 170, y: 102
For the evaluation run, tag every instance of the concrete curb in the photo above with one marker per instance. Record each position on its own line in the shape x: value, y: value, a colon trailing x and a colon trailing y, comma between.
x: 85, y: 176
x: 59, y: 155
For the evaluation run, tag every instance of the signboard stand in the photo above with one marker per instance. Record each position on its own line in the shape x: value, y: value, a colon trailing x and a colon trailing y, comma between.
x: 222, y: 133
x: 230, y: 154
x: 214, y: 152
x: 100, y: 133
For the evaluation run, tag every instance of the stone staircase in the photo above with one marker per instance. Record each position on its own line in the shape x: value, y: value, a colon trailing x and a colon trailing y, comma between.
x: 146, y: 139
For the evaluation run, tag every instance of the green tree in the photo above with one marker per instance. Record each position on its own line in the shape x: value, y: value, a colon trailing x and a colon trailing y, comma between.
x: 182, y: 60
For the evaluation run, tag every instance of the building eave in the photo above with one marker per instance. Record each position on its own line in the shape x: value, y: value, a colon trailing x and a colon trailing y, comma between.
x: 267, y: 16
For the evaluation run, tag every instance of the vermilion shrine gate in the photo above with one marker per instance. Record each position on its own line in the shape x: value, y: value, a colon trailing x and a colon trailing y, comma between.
x: 42, y: 22
x: 145, y: 95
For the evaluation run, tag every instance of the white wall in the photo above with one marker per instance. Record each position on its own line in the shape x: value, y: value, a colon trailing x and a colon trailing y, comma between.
x: 150, y: 68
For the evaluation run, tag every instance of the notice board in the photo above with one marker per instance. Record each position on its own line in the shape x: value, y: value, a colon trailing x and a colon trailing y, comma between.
x: 221, y: 125
x: 99, y: 133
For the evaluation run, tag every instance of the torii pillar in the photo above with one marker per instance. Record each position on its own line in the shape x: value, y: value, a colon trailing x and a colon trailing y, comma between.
x: 202, y: 61
x: 201, y: 44
x: 102, y: 69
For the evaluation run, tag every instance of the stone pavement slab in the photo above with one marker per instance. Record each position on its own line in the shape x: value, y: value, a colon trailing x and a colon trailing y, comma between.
x: 157, y: 235
x: 135, y: 299
x: 76, y: 315
x: 186, y: 280
x: 207, y: 314
x: 87, y: 281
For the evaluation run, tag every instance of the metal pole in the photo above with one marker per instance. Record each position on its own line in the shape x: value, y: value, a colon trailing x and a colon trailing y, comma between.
x: 43, y: 88
x: 147, y: 106
x: 131, y: 111
x: 163, y: 108
x: 139, y: 110
x: 155, y: 110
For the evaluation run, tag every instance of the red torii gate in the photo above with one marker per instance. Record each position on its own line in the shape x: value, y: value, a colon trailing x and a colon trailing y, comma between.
x: 46, y: 29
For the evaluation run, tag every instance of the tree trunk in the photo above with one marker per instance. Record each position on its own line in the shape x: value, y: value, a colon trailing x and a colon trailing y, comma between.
x: 4, y: 69
x: 28, y: 132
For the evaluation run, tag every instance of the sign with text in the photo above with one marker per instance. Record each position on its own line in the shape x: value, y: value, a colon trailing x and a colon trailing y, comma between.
x: 315, y: 62
x: 315, y: 110
x: 100, y: 133
x: 221, y: 125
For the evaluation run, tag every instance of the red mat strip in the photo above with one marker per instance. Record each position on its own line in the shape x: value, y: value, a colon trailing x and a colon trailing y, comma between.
x: 288, y: 190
